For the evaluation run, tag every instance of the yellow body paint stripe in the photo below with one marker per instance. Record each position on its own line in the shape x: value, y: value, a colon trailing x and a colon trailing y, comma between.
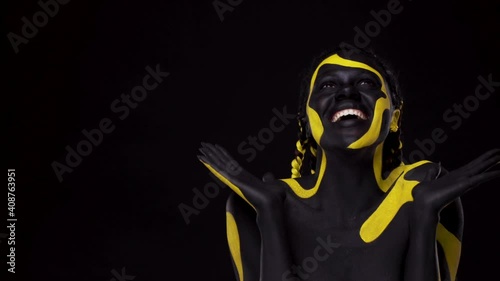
x: 373, y: 132
x: 315, y: 123
x: 228, y: 183
x: 307, y: 193
x: 385, y: 184
x: 233, y: 239
x: 336, y: 59
x: 400, y: 194
x: 452, y: 248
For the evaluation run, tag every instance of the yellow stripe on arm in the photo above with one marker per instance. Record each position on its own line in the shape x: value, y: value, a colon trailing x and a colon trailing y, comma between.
x: 452, y: 248
x: 233, y: 239
x: 227, y: 182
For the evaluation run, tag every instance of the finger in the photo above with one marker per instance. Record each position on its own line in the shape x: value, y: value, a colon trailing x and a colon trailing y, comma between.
x: 202, y: 158
x: 494, y: 163
x: 484, y: 177
x: 481, y: 163
x: 224, y: 151
x: 241, y: 188
x: 221, y: 154
x: 231, y: 165
x: 216, y: 166
x: 212, y: 158
x: 466, y: 185
x: 483, y: 166
x: 208, y: 146
x: 222, y: 163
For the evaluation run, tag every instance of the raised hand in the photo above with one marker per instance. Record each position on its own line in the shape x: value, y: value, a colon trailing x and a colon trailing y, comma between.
x: 435, y: 194
x: 260, y: 194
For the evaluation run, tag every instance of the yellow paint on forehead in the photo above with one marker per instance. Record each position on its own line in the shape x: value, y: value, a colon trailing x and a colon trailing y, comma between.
x: 338, y: 60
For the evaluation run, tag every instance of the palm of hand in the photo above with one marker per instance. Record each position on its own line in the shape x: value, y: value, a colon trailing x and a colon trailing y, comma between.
x: 258, y: 193
x: 434, y: 195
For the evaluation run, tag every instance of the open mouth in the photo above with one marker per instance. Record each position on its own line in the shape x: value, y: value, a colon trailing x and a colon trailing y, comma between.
x: 348, y: 114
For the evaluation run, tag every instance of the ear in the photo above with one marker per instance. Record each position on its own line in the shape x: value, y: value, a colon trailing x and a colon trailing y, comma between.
x: 395, y: 120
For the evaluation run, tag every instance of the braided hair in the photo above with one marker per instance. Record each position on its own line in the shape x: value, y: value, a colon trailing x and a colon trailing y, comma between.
x: 304, y: 161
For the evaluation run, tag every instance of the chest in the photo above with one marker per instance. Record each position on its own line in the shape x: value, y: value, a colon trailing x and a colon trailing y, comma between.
x: 322, y: 247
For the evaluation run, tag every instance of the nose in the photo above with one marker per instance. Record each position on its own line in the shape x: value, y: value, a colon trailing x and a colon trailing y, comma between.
x: 347, y: 92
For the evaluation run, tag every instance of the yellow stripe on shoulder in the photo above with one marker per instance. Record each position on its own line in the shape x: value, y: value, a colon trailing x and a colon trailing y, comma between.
x: 400, y: 194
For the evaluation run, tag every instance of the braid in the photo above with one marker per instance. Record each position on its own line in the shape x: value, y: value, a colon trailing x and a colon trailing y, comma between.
x: 300, y: 151
x: 305, y: 148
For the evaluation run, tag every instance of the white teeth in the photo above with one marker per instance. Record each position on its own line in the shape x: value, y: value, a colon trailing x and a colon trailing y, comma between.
x: 349, y: 111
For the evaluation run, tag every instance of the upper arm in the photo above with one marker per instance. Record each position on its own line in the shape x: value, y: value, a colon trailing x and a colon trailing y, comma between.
x: 243, y: 238
x: 449, y: 238
x: 450, y: 226
x: 449, y: 235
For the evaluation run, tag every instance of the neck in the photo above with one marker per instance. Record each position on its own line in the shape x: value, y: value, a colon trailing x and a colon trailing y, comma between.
x: 348, y: 186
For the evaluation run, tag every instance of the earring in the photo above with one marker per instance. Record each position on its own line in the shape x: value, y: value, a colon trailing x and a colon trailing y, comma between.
x: 394, y: 128
x: 395, y: 120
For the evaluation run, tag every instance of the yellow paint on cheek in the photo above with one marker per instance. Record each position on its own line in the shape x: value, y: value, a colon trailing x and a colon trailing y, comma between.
x: 452, y: 248
x: 315, y: 123
x: 227, y: 182
x: 373, y: 132
x: 233, y: 239
x: 399, y: 195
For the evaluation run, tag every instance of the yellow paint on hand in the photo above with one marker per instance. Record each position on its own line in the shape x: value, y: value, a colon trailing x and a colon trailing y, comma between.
x: 228, y: 183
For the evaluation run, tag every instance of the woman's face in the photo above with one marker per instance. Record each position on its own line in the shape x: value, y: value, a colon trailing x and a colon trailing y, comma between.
x: 349, y: 105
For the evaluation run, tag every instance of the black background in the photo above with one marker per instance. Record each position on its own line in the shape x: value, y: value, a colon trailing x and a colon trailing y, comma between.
x: 119, y: 207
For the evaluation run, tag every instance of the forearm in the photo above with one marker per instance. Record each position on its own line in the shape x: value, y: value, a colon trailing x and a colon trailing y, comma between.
x: 275, y: 251
x: 421, y: 259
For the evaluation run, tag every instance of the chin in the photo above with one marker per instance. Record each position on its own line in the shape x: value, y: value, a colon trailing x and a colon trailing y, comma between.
x: 338, y: 143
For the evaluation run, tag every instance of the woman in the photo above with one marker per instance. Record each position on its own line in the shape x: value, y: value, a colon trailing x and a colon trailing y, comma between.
x: 356, y: 212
